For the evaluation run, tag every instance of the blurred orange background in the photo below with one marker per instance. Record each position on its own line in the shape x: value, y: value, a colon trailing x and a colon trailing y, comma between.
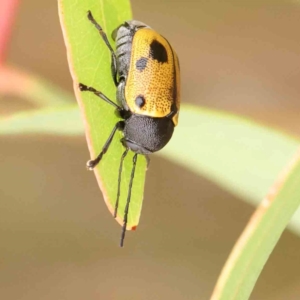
x: 58, y: 240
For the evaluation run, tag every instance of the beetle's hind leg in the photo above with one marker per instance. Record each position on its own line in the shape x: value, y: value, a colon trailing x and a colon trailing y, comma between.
x: 113, y: 55
x: 91, y: 164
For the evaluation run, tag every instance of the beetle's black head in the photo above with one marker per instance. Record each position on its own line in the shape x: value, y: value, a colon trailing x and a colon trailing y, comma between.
x: 146, y: 135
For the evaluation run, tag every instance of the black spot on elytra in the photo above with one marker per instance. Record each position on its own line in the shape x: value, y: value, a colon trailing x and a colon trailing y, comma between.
x: 158, y: 52
x: 140, y: 101
x: 141, y: 64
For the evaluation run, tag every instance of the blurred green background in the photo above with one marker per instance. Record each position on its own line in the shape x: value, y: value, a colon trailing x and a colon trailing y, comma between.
x: 58, y: 240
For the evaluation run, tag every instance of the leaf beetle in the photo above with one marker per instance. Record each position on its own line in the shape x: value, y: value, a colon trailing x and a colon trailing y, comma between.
x: 145, y: 70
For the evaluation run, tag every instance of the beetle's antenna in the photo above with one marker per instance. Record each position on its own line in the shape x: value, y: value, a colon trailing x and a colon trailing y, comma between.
x: 119, y: 181
x: 134, y: 160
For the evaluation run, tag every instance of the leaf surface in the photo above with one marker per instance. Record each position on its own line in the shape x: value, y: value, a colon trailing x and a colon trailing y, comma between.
x: 260, y: 236
x: 89, y: 61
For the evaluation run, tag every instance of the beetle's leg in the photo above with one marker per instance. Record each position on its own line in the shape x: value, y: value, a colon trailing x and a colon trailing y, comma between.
x: 104, y: 37
x: 173, y: 112
x: 91, y: 164
x: 134, y: 160
x: 85, y: 88
x: 119, y: 181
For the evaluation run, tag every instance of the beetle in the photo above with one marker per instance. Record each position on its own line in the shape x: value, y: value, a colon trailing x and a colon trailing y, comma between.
x: 145, y: 70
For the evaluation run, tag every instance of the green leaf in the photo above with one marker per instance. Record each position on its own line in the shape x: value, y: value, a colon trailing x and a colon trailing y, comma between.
x: 243, y: 157
x: 63, y: 120
x: 260, y: 237
x: 240, y: 155
x: 89, y: 61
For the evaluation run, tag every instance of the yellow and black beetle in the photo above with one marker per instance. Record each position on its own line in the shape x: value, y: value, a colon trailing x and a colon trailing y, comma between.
x: 145, y: 70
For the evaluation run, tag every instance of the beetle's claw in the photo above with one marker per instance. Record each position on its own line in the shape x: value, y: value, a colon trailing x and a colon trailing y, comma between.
x: 82, y: 87
x: 90, y: 165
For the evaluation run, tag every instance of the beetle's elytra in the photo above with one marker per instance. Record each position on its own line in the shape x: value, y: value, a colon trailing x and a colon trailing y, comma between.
x: 145, y: 70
